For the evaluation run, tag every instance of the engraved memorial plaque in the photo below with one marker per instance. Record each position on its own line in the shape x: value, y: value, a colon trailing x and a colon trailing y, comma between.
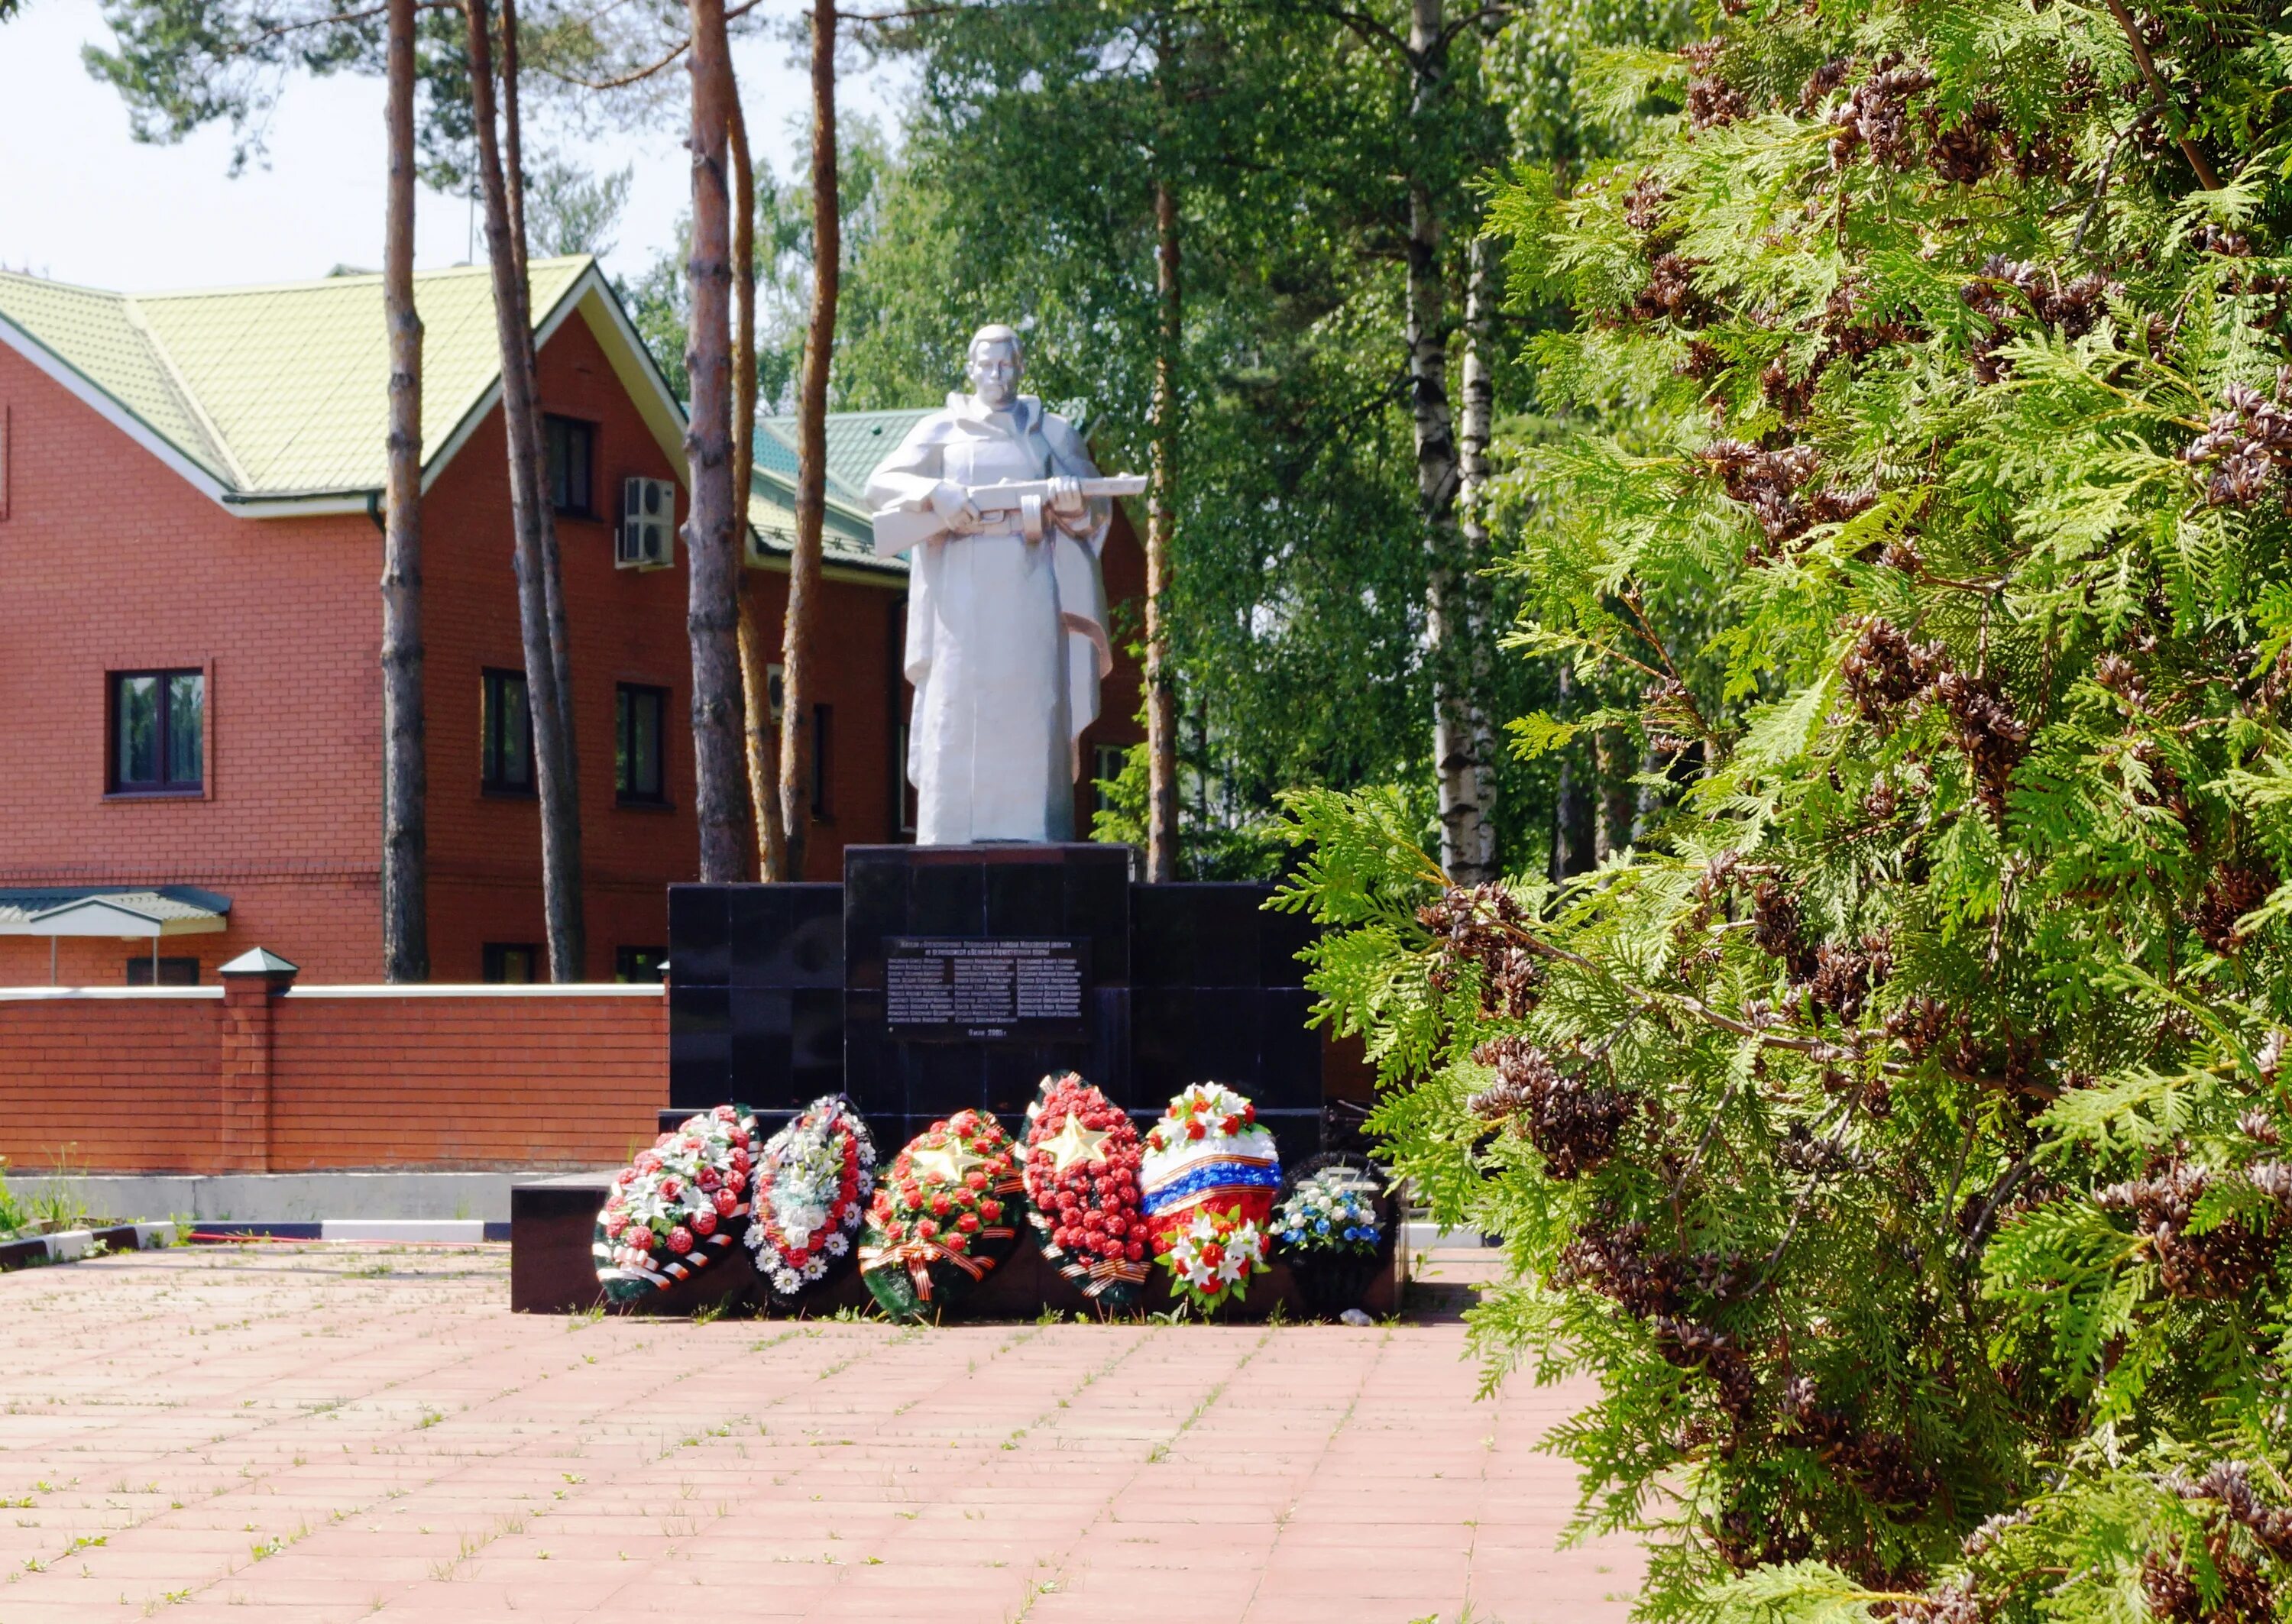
x: 958, y: 988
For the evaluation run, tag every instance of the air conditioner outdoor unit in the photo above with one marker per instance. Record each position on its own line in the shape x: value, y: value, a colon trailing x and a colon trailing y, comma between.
x: 646, y: 537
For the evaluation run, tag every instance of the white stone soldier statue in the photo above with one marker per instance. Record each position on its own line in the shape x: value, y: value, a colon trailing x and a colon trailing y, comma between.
x: 1006, y: 633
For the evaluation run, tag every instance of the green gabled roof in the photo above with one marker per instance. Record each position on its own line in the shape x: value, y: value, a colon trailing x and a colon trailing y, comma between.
x: 279, y: 392
x: 855, y: 442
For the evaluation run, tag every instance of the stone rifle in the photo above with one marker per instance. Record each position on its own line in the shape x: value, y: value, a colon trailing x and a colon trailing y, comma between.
x: 897, y: 530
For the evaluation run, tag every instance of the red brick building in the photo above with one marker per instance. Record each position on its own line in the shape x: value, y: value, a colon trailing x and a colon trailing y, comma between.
x: 191, y: 629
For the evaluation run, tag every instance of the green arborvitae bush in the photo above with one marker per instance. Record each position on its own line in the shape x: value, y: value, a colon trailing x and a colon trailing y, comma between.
x: 1895, y: 1131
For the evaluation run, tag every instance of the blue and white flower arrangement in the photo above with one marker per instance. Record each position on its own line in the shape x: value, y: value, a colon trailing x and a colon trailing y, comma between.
x: 1332, y: 1211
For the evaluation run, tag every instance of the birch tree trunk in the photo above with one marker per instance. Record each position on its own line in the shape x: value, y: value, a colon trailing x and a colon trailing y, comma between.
x: 761, y: 749
x: 546, y: 659
x: 811, y: 448
x: 712, y: 555
x: 405, y: 767
x: 1161, y: 695
x: 1571, y: 811
x: 1618, y: 796
x: 1437, y: 473
x: 1464, y: 735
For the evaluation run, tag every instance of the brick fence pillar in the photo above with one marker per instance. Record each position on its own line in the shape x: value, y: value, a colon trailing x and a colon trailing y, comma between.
x: 250, y: 984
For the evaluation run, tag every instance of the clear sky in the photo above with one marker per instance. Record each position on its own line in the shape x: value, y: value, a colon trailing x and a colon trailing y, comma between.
x: 82, y: 200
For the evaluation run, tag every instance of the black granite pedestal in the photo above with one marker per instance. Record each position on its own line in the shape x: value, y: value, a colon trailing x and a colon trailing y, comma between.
x: 780, y: 993
x: 1071, y: 901
x: 938, y: 977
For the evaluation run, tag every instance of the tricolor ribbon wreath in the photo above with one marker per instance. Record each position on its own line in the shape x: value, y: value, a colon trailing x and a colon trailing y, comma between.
x: 1209, y: 1176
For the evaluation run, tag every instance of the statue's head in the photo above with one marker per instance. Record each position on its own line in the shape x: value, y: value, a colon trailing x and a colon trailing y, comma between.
x: 996, y: 364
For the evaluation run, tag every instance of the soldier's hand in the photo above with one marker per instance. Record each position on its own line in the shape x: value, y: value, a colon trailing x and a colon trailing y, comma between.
x: 955, y: 509
x: 1070, y: 507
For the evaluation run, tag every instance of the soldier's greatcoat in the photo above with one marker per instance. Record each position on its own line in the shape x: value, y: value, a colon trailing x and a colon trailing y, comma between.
x: 1007, y: 638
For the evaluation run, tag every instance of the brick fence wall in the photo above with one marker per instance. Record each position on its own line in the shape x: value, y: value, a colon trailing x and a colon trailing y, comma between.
x: 252, y: 1077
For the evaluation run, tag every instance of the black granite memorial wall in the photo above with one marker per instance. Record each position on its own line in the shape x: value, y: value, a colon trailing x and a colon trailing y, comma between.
x: 756, y: 994
x: 937, y: 977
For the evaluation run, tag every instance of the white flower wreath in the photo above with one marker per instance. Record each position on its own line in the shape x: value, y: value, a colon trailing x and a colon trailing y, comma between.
x: 809, y: 1193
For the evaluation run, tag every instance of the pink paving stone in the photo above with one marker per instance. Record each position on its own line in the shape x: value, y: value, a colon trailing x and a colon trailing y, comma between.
x: 306, y: 1434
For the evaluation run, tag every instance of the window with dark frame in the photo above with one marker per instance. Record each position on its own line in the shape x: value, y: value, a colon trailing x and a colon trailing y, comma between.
x: 640, y: 964
x: 174, y: 972
x: 159, y: 732
x: 1111, y: 760
x: 640, y: 717
x: 571, y: 448
x: 822, y: 735
x: 505, y: 743
x: 512, y: 963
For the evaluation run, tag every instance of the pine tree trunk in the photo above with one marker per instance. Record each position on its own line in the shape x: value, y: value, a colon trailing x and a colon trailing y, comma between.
x: 755, y: 681
x: 514, y: 145
x: 553, y: 570
x: 405, y: 765
x: 763, y: 742
x: 1161, y: 691
x: 811, y: 446
x: 546, y: 660
x: 1464, y: 738
x: 711, y: 553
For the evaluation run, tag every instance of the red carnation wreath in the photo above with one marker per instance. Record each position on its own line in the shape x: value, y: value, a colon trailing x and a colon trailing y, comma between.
x: 1082, y: 1190
x: 946, y: 1213
x: 677, y: 1207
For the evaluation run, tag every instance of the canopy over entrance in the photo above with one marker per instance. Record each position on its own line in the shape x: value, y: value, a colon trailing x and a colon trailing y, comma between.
x: 131, y: 913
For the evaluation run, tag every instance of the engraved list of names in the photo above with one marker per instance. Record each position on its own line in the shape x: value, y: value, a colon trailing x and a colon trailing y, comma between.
x: 984, y: 987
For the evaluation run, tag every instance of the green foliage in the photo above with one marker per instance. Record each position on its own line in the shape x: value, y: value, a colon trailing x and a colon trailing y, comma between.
x: 1024, y: 190
x: 14, y: 1215
x: 1894, y: 1131
x: 181, y: 64
x: 868, y: 180
x: 568, y: 210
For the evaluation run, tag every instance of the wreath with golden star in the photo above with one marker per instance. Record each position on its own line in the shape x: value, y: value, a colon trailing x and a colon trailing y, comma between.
x: 1081, y: 1166
x: 946, y: 1213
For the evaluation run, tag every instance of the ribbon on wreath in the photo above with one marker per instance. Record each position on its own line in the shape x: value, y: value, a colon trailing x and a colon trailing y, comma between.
x: 676, y: 1270
x: 1097, y: 1273
x: 1114, y: 1271
x: 919, y: 1254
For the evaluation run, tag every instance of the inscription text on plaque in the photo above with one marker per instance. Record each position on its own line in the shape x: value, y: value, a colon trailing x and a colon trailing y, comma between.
x: 958, y: 987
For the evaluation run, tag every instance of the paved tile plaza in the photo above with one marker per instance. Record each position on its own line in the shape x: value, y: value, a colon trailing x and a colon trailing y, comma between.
x: 324, y: 1432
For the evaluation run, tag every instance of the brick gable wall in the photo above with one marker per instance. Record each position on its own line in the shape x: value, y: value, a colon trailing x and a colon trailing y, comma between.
x: 115, y: 562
